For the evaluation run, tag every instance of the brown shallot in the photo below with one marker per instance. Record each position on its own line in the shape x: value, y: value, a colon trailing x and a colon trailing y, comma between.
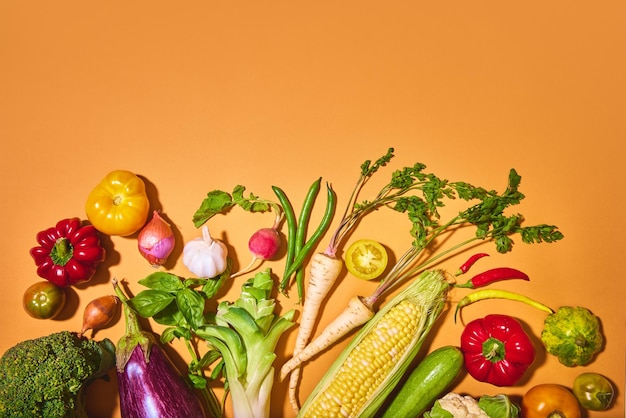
x: 99, y: 313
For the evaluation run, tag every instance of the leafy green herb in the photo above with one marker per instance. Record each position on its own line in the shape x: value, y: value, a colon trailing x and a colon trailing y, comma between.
x: 422, y: 208
x: 487, y: 216
x: 421, y: 195
x: 218, y: 201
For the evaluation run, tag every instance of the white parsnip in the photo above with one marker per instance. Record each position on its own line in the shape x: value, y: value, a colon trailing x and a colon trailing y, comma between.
x: 356, y: 314
x: 324, y: 271
x: 326, y: 266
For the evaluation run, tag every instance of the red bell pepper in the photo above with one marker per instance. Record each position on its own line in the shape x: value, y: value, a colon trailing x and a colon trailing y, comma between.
x: 496, y: 350
x: 68, y: 253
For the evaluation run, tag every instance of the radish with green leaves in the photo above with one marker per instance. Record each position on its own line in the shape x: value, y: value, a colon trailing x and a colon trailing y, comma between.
x: 263, y: 244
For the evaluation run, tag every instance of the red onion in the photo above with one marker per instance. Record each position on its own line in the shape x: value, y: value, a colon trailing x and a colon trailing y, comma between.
x: 156, y: 240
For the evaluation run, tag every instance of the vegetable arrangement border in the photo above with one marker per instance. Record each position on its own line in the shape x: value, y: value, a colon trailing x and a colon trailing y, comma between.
x: 234, y: 345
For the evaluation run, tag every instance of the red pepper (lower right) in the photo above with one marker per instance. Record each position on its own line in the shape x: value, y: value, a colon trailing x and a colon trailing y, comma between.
x: 496, y: 350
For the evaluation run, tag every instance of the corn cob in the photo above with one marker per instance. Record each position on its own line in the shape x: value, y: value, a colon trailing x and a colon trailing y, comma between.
x: 368, y: 369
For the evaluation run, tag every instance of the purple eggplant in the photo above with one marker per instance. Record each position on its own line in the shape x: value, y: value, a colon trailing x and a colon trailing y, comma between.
x: 149, y: 383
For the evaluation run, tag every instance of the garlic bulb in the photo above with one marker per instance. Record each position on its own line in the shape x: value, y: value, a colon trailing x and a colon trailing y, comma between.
x: 204, y: 256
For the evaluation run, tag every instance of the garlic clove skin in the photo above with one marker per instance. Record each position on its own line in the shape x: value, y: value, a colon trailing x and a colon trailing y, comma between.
x: 156, y: 240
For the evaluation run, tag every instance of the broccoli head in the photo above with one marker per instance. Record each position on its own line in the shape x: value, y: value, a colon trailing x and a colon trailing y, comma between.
x: 45, y: 376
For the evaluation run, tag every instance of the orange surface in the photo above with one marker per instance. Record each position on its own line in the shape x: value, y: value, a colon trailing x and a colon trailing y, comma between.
x: 207, y: 95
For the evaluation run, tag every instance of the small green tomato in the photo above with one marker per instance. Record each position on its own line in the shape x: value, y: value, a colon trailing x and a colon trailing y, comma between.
x: 44, y: 300
x: 594, y: 391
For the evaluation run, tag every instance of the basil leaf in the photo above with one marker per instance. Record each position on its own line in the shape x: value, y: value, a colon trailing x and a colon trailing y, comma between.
x: 212, y: 286
x: 148, y: 303
x: 191, y: 305
x: 170, y: 333
x: 198, y: 382
x: 170, y: 316
x: 166, y: 282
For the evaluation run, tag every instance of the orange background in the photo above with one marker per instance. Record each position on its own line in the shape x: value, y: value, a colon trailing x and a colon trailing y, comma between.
x: 207, y: 95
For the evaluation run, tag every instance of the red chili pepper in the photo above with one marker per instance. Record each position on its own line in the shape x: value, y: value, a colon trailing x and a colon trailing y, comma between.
x: 470, y: 262
x: 496, y: 350
x: 494, y: 275
x: 68, y: 253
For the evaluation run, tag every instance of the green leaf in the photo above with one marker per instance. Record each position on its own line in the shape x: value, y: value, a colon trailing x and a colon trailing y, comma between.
x: 209, y: 358
x: 212, y: 286
x: 194, y: 281
x: 198, y: 382
x: 216, y: 202
x: 166, y: 282
x: 217, y: 372
x: 148, y: 303
x: 170, y: 333
x: 229, y: 343
x: 170, y: 315
x: 498, y: 406
x: 191, y: 305
x: 279, y: 327
x: 540, y: 233
x: 367, y: 169
x: 437, y: 411
x: 242, y: 322
x: 251, y: 203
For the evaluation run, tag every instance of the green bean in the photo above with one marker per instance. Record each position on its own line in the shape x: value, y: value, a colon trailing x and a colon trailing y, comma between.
x: 300, y: 284
x: 290, y: 219
x: 301, y: 232
x: 317, y: 234
x: 298, y: 238
x: 305, y: 214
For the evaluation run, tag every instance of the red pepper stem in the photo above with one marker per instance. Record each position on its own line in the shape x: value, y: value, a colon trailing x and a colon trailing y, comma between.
x: 62, y: 251
x: 493, y: 350
x: 499, y: 294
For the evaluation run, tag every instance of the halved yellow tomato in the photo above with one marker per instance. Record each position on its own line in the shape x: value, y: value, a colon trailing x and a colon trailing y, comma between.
x: 366, y: 259
x: 119, y: 204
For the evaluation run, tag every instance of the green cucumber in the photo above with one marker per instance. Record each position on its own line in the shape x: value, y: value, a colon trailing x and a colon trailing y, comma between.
x: 432, y: 376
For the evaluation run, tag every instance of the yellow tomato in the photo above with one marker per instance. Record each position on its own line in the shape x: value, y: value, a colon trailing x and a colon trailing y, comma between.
x: 118, y: 205
x: 550, y: 400
x: 366, y: 259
